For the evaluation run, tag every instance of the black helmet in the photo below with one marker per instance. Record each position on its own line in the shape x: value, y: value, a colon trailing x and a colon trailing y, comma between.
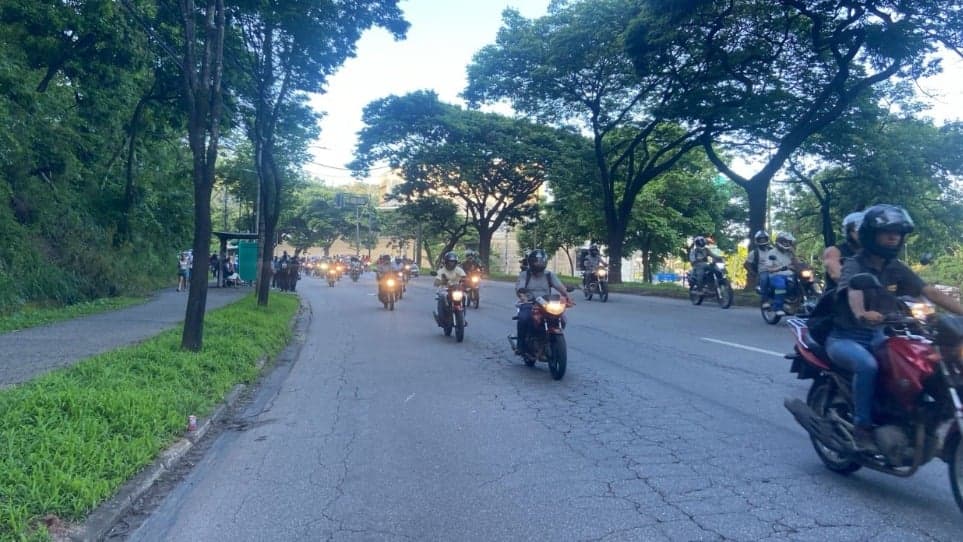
x: 852, y: 221
x: 880, y: 218
x: 594, y: 250
x: 537, y: 260
x: 761, y: 238
x: 785, y: 241
x: 451, y: 260
x: 700, y: 241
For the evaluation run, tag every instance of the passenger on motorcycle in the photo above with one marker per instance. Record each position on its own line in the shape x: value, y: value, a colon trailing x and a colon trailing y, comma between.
x: 590, y: 264
x: 835, y: 256
x: 533, y: 282
x: 471, y: 263
x: 701, y: 256
x: 449, y: 274
x: 780, y: 264
x: 856, y: 329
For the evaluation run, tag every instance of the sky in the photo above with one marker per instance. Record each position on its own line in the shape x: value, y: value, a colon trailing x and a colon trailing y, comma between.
x: 443, y: 37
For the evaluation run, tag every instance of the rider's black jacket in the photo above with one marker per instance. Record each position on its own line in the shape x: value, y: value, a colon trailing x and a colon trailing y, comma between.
x: 897, y: 280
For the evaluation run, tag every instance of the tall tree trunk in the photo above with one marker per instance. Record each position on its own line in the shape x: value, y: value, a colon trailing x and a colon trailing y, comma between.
x: 427, y: 247
x: 829, y: 232
x: 203, y: 96
x: 125, y: 229
x: 646, y: 266
x: 485, y: 246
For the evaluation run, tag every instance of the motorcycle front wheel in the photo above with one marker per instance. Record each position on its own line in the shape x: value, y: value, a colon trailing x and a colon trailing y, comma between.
x: 588, y: 293
x: 820, y: 399
x: 558, y: 356
x: 724, y: 294
x: 459, y: 326
x: 954, y: 457
x: 603, y: 292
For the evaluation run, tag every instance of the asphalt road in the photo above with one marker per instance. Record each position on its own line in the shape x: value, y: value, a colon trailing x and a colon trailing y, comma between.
x: 669, y: 425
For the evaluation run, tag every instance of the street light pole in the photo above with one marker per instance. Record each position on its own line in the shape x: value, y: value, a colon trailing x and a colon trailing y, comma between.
x: 357, y: 230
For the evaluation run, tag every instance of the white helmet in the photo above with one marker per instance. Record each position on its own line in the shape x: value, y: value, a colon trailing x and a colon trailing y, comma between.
x: 785, y: 240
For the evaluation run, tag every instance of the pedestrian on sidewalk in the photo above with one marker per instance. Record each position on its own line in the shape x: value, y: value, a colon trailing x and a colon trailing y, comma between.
x: 182, y: 268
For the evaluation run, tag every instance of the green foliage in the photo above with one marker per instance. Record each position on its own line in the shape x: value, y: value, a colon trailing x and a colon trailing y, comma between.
x: 69, y: 439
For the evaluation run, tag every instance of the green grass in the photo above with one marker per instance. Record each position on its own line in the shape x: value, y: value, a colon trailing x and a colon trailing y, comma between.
x: 71, y: 438
x: 32, y: 316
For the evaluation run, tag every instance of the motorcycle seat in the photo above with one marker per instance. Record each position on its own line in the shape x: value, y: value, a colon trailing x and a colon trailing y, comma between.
x: 815, y: 347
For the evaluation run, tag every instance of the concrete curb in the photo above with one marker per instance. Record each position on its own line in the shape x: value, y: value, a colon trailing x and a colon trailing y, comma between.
x: 103, y: 519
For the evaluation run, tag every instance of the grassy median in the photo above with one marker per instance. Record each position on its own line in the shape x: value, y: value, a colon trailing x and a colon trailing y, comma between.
x: 71, y: 438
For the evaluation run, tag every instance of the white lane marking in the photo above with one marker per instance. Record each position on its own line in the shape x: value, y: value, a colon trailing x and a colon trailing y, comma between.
x: 410, y: 397
x: 744, y: 347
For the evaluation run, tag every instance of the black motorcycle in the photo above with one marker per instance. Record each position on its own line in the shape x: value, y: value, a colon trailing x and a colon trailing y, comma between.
x: 597, y: 283
x: 546, y: 340
x: 388, y: 290
x: 715, y: 284
x: 453, y: 315
x: 800, y: 298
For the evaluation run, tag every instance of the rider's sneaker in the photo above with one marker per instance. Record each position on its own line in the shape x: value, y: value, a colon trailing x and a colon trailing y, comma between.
x: 863, y: 436
x: 780, y: 312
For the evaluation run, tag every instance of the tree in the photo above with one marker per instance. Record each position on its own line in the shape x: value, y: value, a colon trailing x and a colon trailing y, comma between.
x: 292, y: 47
x: 571, y: 66
x: 435, y: 220
x: 490, y: 165
x: 762, y: 76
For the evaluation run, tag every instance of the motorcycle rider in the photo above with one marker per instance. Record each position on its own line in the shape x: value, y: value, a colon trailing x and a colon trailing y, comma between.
x: 856, y: 330
x: 756, y: 260
x: 780, y: 264
x: 836, y: 255
x: 590, y: 265
x: 535, y: 281
x: 450, y: 273
x: 383, y: 268
x: 699, y: 258
x: 471, y: 263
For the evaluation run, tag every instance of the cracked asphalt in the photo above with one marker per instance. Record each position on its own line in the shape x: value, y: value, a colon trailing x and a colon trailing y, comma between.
x: 384, y: 429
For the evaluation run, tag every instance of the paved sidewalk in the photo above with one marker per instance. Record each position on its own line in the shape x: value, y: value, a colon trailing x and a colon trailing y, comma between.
x: 29, y: 353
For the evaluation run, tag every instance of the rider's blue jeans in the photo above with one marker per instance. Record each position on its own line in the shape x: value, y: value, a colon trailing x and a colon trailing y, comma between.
x: 779, y: 284
x: 852, y: 349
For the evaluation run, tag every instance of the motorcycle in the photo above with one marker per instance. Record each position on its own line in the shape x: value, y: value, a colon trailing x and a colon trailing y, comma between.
x: 388, y: 291
x: 453, y: 316
x: 355, y: 274
x: 402, y: 288
x: 800, y: 299
x: 597, y: 283
x: 715, y: 284
x: 917, y: 405
x: 332, y: 276
x: 546, y: 340
x: 472, y: 289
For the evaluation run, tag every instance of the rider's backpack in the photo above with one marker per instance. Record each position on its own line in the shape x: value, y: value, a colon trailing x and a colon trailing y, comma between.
x: 820, y: 322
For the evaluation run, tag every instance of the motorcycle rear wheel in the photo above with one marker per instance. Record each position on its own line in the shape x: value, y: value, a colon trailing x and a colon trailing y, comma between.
x: 459, y: 326
x: 955, y: 464
x: 724, y: 295
x: 558, y: 356
x: 588, y: 293
x: 819, y: 399
x: 695, y: 296
x: 769, y: 315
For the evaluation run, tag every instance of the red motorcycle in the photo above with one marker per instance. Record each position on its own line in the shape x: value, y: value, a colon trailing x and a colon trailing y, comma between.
x: 546, y: 340
x: 918, y: 410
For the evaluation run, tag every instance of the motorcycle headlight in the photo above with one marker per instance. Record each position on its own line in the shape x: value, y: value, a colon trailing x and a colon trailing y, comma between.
x: 720, y: 266
x: 407, y: 266
x: 806, y: 274
x: 324, y: 266
x: 391, y: 283
x: 921, y: 311
x: 603, y: 272
x: 555, y: 308
x: 457, y: 295
x: 475, y: 279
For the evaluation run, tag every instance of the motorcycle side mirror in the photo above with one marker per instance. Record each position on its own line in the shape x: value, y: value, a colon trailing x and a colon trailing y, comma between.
x: 927, y: 258
x: 865, y: 281
x: 434, y: 273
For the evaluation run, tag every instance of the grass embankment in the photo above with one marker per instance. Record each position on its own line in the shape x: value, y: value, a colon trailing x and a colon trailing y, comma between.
x: 665, y: 289
x: 71, y: 438
x: 32, y: 316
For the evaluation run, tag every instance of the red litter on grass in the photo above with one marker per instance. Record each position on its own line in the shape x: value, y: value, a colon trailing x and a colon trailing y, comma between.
x: 191, y: 422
